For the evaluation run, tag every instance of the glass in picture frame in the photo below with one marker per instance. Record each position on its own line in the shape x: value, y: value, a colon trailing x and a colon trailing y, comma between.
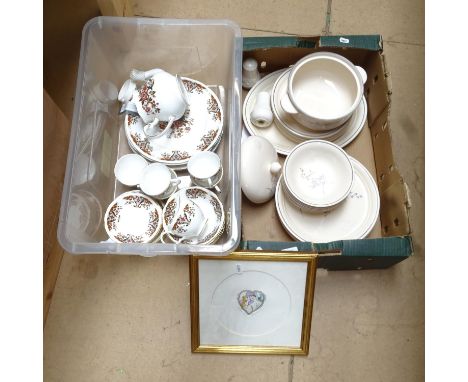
x: 252, y: 302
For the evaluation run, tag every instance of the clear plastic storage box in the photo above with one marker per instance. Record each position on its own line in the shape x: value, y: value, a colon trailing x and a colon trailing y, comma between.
x: 206, y: 50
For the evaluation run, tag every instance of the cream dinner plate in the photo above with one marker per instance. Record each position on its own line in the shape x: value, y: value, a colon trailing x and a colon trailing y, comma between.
x: 200, y: 129
x: 354, y: 218
x: 341, y: 136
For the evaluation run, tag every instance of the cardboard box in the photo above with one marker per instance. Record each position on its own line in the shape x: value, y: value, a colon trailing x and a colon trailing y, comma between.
x: 390, y: 241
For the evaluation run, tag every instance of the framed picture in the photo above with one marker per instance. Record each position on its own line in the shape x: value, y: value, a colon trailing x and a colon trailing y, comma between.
x: 252, y: 302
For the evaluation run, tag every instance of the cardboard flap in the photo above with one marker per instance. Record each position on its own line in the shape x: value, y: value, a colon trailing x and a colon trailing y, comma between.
x: 395, y: 216
x: 252, y: 43
x: 368, y: 42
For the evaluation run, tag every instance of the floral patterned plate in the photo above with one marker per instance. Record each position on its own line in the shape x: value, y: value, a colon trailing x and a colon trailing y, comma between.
x: 200, y: 129
x: 211, y: 207
x: 354, y: 218
x: 133, y: 218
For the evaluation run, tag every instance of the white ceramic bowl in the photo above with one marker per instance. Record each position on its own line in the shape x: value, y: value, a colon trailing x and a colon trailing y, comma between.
x: 318, y: 175
x: 324, y: 89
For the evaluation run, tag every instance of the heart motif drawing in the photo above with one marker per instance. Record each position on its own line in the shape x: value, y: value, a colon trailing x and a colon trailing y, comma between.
x: 251, y: 300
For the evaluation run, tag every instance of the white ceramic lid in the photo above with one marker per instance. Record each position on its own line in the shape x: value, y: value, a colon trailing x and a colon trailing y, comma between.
x: 260, y: 169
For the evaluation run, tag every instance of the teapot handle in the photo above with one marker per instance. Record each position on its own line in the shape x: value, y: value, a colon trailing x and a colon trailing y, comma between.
x: 182, y: 90
x: 150, y: 127
x: 140, y: 75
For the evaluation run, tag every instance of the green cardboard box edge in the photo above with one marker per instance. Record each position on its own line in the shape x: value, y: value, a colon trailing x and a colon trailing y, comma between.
x: 359, y: 254
x: 368, y: 42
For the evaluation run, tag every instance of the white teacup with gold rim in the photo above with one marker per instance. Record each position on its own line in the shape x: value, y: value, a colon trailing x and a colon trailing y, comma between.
x: 162, y: 98
x: 159, y: 181
x: 205, y: 169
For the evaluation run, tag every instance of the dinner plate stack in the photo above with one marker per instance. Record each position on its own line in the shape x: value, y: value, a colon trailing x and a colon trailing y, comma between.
x: 353, y: 218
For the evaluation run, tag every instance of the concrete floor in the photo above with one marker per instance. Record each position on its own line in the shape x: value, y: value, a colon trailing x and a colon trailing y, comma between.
x: 110, y: 320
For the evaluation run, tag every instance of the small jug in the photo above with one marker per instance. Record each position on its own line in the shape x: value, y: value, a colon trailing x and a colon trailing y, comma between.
x: 187, y: 222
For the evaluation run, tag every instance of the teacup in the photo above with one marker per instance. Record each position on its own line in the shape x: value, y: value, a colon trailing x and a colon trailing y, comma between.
x: 162, y: 98
x: 188, y: 220
x: 159, y: 181
x: 324, y: 89
x: 129, y: 169
x: 205, y: 169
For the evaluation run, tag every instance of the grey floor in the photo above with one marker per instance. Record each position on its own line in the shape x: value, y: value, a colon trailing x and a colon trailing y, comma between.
x: 111, y: 320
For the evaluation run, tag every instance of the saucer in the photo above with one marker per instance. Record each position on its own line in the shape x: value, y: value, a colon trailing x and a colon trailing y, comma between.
x: 211, y: 207
x: 133, y: 218
x: 200, y: 129
x: 354, y: 218
x: 341, y: 135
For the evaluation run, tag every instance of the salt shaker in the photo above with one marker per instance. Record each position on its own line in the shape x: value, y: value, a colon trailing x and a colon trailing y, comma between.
x: 261, y: 115
x: 250, y: 73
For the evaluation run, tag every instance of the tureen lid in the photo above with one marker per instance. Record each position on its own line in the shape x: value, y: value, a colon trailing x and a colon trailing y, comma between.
x: 260, y: 169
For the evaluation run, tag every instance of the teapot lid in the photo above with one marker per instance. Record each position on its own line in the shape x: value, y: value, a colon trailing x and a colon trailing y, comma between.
x: 260, y: 169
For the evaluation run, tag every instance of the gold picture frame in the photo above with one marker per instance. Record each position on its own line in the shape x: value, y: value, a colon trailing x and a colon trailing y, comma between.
x: 302, y: 349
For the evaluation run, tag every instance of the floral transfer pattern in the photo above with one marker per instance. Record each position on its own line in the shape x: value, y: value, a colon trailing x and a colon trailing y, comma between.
x: 176, y: 155
x: 153, y: 223
x: 213, y: 108
x: 146, y: 95
x: 184, y: 220
x: 207, y: 139
x: 170, y: 211
x: 132, y: 119
x: 180, y: 127
x: 217, y: 208
x: 133, y: 201
x: 127, y: 238
x: 193, y: 87
x: 113, y: 217
x: 138, y: 201
x: 142, y: 142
